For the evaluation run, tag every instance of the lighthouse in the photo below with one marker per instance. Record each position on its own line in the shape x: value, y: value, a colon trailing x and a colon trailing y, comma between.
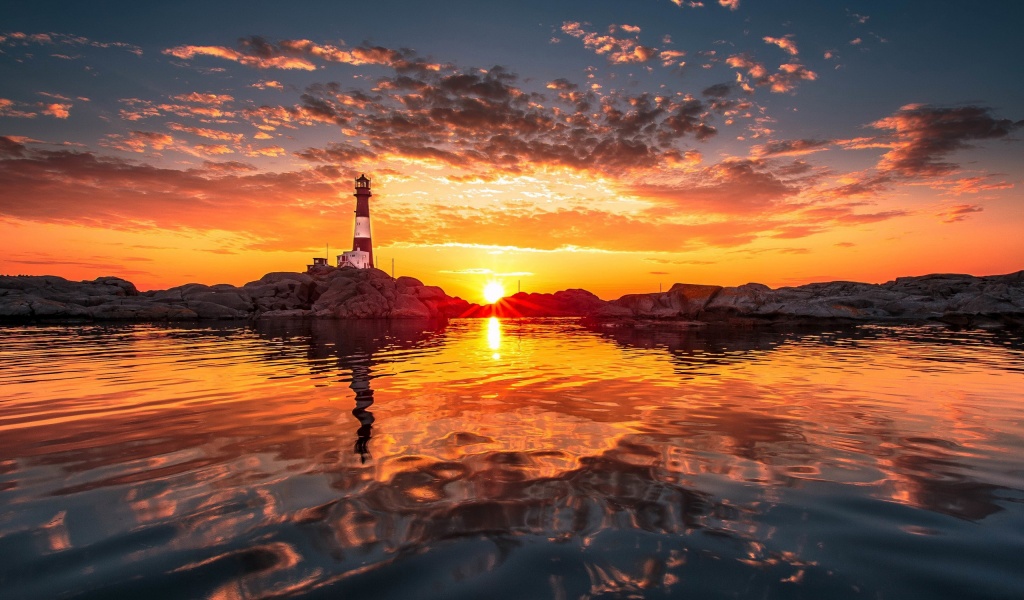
x: 361, y: 255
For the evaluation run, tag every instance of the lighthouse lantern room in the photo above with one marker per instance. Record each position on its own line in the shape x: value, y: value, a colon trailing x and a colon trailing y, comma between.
x: 361, y: 255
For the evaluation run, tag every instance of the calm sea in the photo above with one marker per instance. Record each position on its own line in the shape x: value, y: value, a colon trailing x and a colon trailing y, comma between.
x: 509, y: 459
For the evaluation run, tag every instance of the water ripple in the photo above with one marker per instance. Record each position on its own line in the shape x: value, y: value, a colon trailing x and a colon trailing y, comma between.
x: 528, y: 458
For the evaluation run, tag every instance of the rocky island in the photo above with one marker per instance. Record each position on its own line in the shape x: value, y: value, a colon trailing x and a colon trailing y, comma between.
x: 326, y: 292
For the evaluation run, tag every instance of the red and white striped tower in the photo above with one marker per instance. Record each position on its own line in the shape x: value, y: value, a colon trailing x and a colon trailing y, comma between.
x: 361, y: 240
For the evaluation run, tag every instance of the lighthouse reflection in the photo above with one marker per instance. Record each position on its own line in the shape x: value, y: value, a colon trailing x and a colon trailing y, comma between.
x: 358, y: 352
x: 361, y: 375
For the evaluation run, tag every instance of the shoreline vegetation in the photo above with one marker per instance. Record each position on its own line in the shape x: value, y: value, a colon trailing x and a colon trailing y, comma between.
x: 991, y: 302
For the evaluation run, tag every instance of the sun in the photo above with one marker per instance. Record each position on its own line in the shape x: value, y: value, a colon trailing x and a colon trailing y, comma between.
x: 493, y: 291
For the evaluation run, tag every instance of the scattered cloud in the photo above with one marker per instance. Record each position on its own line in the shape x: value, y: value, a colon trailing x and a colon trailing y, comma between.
x: 784, y: 80
x: 960, y: 212
x: 785, y: 42
x: 58, y: 110
x: 199, y: 98
x: 483, y: 119
x: 619, y: 50
x: 212, y: 134
x: 139, y: 141
x: 17, y: 38
x: 268, y: 85
x: 924, y: 136
x: 10, y: 108
x: 789, y: 147
x: 261, y: 62
x: 300, y: 54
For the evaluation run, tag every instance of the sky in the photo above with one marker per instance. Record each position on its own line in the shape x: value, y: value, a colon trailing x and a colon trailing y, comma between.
x: 618, y: 147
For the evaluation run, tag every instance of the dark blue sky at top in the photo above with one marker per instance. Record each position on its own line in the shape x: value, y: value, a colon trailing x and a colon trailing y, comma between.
x: 949, y: 51
x: 940, y: 53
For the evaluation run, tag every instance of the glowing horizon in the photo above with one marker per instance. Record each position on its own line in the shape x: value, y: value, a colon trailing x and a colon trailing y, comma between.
x: 571, y: 146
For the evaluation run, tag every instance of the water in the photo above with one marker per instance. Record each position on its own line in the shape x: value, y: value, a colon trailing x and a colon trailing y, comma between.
x: 512, y: 459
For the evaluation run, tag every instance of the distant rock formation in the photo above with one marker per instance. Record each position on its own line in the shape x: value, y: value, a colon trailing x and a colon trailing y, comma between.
x: 962, y: 300
x: 329, y: 293
x: 565, y: 303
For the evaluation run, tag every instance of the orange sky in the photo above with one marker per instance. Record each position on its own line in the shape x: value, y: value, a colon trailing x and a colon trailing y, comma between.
x: 619, y: 152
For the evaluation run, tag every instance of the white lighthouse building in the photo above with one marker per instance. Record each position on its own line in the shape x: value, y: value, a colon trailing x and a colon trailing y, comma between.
x: 361, y: 255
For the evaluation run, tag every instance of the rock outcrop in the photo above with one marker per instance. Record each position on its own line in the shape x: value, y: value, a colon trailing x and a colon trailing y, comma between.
x: 964, y: 300
x: 564, y: 303
x: 323, y: 293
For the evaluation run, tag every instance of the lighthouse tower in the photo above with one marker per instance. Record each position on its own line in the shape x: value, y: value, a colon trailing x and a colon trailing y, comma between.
x: 361, y: 255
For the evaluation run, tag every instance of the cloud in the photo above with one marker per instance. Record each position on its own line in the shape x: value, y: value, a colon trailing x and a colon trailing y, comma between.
x: 9, y: 108
x: 18, y: 38
x: 210, y: 111
x: 478, y: 119
x: 733, y: 187
x: 268, y: 85
x: 58, y: 110
x: 199, y: 98
x: 484, y: 271
x: 269, y: 62
x: 975, y: 185
x: 267, y: 151
x: 11, y: 148
x: 670, y: 58
x: 789, y: 147
x: 618, y: 50
x: 84, y: 189
x: 785, y: 42
x: 299, y: 54
x: 925, y: 135
x: 139, y: 141
x: 958, y: 213
x: 719, y: 90
x: 730, y: 4
x: 784, y: 80
x: 212, y: 149
x: 212, y: 134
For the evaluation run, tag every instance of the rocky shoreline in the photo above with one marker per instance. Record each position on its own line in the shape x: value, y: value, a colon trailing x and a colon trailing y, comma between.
x: 995, y: 301
x: 324, y: 293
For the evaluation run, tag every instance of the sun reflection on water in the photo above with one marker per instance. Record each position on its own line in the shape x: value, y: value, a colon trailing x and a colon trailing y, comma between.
x: 494, y: 336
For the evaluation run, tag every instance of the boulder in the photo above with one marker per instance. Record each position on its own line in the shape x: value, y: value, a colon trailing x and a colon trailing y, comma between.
x: 280, y: 276
x: 15, y: 306
x: 211, y: 310
x: 367, y: 303
x: 338, y: 291
x: 430, y: 292
x: 406, y: 306
x: 235, y: 300
x: 121, y: 286
x: 408, y: 282
x: 140, y: 311
x: 732, y: 301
